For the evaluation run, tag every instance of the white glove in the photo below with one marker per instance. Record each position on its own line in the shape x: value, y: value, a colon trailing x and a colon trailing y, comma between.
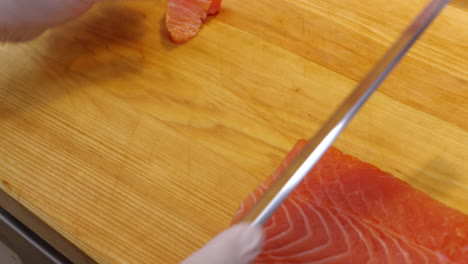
x: 240, y: 244
x: 22, y: 20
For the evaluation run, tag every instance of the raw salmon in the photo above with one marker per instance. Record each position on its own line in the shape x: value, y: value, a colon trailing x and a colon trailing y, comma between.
x: 348, y: 211
x: 185, y: 17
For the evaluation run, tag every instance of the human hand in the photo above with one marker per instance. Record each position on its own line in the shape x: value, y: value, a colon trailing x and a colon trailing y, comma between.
x: 239, y: 244
x: 23, y: 20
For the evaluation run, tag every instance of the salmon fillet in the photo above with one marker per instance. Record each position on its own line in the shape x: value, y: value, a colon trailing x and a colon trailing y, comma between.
x: 349, y: 211
x: 184, y: 18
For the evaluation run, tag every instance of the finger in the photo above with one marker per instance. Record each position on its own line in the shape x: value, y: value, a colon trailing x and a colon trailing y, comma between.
x: 239, y: 244
x: 22, y: 20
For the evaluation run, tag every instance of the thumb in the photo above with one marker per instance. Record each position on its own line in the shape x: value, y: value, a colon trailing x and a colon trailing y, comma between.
x: 239, y: 244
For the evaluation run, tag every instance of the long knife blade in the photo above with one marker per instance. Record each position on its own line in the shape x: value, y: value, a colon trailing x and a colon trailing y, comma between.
x: 318, y: 145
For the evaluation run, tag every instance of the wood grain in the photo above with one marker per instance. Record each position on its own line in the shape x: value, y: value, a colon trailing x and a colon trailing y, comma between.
x: 139, y: 150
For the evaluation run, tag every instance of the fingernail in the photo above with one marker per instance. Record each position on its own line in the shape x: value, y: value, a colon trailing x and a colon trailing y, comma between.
x: 250, y: 243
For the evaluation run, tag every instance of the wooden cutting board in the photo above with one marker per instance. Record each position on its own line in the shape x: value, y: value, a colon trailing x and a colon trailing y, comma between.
x: 139, y: 150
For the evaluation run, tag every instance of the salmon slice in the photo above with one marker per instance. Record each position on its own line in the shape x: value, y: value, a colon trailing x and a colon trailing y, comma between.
x: 214, y: 8
x: 349, y: 211
x: 184, y: 18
